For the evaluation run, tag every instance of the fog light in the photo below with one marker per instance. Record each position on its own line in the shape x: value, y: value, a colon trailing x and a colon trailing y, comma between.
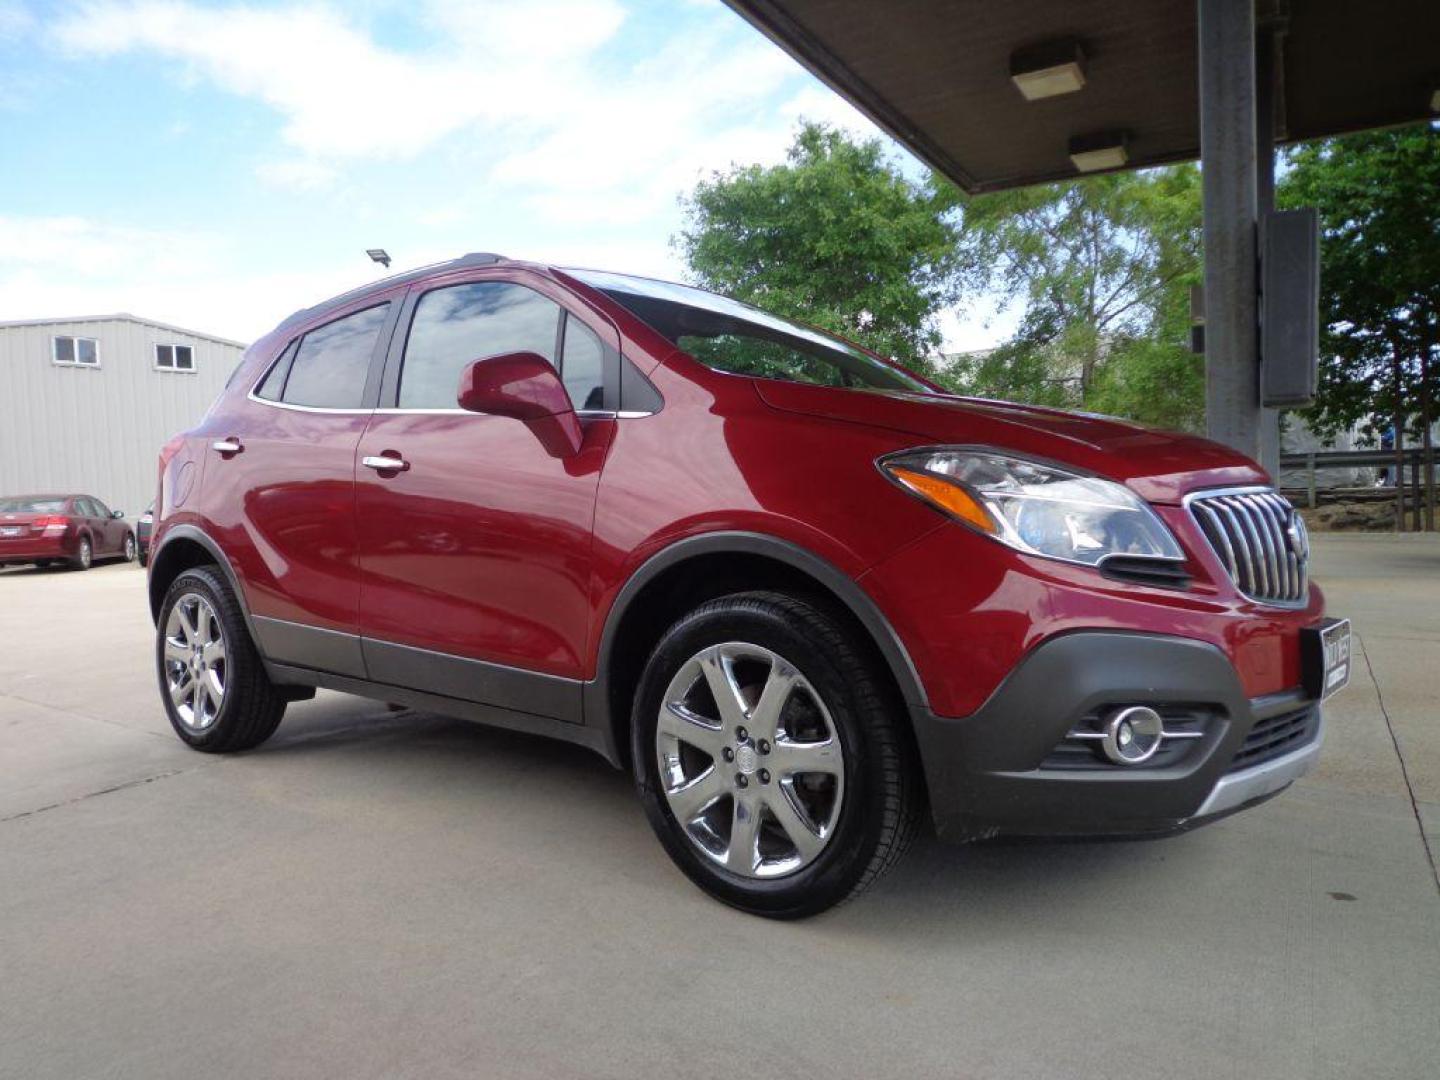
x: 1132, y: 735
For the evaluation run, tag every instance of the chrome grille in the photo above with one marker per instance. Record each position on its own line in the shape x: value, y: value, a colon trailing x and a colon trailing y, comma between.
x: 1260, y: 540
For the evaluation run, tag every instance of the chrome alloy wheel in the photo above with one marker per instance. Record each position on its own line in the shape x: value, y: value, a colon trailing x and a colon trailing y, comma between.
x: 195, y: 667
x: 750, y: 760
x: 129, y: 548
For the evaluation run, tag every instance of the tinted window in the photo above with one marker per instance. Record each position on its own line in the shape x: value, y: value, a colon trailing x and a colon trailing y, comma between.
x: 84, y: 509
x: 330, y: 369
x: 583, y: 366
x: 32, y: 506
x: 273, y: 385
x: 730, y: 336
x: 454, y: 327
x: 101, y: 510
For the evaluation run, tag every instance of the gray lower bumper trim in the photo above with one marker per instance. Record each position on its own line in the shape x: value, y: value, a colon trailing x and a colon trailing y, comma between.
x: 1239, y: 788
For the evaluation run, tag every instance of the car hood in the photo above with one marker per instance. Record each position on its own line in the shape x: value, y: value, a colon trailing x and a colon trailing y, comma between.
x: 1159, y: 466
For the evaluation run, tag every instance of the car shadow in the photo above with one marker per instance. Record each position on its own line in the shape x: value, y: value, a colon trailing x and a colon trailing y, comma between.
x: 31, y: 569
x: 995, y: 886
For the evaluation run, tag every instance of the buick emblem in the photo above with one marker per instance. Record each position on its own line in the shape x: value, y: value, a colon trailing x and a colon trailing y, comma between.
x: 745, y: 758
x: 1298, y: 536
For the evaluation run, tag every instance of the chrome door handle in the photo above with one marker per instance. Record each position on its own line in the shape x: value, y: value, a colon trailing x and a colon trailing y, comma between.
x: 385, y: 463
x: 227, y: 446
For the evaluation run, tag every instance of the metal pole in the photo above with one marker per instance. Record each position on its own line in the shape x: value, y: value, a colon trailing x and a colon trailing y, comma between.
x: 1228, y: 186
x: 1265, y: 74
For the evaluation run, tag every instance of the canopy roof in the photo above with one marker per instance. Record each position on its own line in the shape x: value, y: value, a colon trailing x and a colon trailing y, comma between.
x: 936, y: 73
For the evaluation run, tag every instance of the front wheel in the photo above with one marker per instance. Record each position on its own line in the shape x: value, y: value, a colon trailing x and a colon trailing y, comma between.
x: 771, y: 757
x: 212, y: 682
x: 129, y: 550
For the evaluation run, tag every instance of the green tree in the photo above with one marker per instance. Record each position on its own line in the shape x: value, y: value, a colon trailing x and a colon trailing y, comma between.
x: 1102, y: 268
x: 836, y: 236
x: 1378, y: 195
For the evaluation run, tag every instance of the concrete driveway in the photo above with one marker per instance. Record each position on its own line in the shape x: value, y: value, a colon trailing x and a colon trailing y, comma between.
x: 375, y: 894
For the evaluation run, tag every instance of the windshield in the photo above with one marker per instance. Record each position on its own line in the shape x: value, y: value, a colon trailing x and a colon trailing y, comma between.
x: 31, y: 506
x: 730, y: 336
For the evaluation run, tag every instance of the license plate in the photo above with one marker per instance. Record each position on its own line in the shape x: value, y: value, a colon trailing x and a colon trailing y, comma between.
x: 1327, y: 657
x: 10, y: 530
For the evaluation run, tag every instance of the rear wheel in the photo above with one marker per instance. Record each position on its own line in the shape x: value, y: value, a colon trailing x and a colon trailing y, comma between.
x: 84, y: 555
x: 770, y: 756
x: 212, y: 681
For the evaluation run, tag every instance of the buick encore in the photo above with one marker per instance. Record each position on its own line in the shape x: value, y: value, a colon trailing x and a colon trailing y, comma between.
x: 808, y: 599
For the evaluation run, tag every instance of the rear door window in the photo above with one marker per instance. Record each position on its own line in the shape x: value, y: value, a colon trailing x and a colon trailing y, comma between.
x: 333, y: 362
x: 455, y: 326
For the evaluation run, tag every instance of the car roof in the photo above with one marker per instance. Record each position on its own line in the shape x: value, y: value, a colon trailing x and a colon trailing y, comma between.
x: 474, y: 258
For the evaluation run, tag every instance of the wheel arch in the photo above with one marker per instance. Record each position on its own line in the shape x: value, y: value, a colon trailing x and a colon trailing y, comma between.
x: 184, y: 547
x: 699, y: 568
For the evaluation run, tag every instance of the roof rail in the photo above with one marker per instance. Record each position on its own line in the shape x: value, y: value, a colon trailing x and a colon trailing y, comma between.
x: 474, y: 258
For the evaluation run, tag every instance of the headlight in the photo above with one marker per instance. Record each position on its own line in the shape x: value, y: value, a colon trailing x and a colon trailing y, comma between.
x: 1035, y: 508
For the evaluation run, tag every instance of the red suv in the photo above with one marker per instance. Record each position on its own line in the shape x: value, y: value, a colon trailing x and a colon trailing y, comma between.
x: 805, y: 596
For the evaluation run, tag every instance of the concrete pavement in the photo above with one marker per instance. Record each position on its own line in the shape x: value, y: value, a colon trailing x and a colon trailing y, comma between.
x: 395, y: 895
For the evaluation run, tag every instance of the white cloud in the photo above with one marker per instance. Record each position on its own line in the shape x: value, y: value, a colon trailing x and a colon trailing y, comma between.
x: 15, y: 20
x: 341, y: 93
x: 58, y: 266
x: 296, y: 175
x: 536, y: 92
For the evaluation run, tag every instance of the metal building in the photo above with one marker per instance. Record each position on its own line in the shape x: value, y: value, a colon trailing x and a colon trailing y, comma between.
x: 87, y: 403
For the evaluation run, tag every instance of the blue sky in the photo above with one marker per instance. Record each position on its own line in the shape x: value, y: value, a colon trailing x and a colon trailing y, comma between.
x: 218, y: 165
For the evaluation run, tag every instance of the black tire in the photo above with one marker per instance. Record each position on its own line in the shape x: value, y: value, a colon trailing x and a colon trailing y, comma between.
x: 143, y: 558
x: 84, y: 555
x: 251, y: 708
x: 882, y: 804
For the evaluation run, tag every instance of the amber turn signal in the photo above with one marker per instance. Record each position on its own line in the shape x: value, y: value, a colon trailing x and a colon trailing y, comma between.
x: 951, y: 498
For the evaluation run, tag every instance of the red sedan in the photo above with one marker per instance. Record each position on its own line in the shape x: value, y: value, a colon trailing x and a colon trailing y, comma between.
x: 72, y: 529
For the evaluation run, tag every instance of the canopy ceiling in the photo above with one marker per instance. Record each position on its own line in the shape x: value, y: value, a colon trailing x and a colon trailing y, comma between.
x: 936, y: 73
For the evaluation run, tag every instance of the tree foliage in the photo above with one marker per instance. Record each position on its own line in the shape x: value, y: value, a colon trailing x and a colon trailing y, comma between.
x: 836, y: 236
x: 1378, y: 195
x: 1102, y: 269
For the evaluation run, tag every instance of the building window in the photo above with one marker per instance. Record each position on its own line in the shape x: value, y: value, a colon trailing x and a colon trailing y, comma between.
x: 75, y: 351
x: 174, y: 357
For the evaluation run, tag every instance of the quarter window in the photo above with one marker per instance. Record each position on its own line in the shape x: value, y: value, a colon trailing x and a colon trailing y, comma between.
x: 583, y: 366
x: 174, y: 357
x: 75, y: 351
x: 333, y: 361
x: 455, y: 326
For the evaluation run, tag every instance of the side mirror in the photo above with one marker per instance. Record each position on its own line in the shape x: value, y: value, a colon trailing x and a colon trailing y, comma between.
x: 523, y: 386
x: 117, y: 514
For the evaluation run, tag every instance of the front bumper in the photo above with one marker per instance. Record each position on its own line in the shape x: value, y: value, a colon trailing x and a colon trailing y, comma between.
x: 1009, y: 768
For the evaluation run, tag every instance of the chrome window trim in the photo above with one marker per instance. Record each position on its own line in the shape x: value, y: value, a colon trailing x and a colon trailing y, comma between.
x: 1230, y: 560
x: 583, y: 414
x: 306, y: 408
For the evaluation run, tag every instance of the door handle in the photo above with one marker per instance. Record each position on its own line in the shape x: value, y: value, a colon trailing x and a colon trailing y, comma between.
x: 228, y: 446
x: 386, y: 462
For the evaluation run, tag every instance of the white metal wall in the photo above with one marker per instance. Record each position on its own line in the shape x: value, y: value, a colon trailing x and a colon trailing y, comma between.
x: 99, y: 430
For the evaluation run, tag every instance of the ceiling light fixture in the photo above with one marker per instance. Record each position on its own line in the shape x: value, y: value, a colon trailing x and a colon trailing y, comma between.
x: 1049, y: 69
x: 379, y: 255
x: 1103, y: 150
